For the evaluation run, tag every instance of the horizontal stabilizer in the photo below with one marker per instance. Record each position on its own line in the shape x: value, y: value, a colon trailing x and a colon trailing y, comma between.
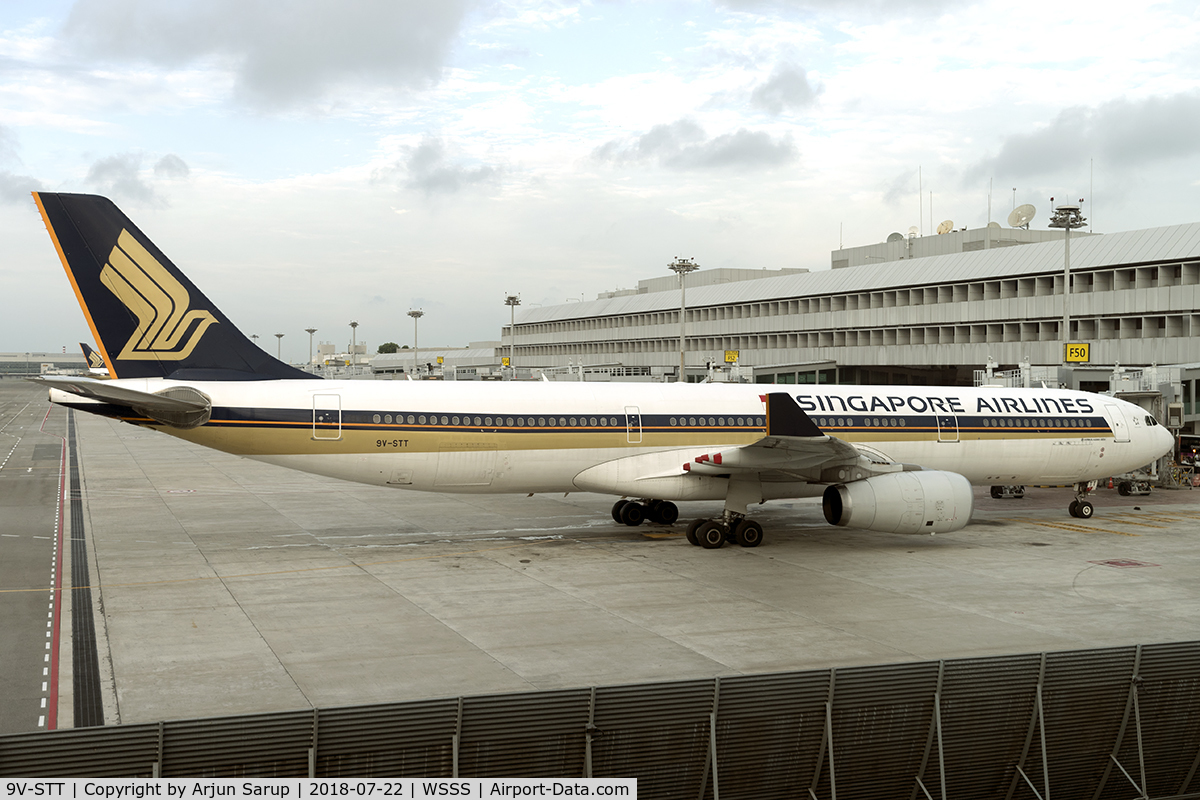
x: 108, y: 392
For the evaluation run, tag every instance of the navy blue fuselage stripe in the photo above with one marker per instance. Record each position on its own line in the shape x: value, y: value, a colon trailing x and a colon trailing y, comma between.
x: 661, y: 423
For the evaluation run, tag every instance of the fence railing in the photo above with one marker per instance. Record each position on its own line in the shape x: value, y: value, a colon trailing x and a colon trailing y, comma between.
x: 1114, y: 722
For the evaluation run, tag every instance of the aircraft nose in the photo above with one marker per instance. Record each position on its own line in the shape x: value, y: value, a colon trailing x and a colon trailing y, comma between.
x: 1165, y: 440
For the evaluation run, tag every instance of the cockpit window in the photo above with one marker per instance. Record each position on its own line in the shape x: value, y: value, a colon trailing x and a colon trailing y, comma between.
x: 1151, y: 422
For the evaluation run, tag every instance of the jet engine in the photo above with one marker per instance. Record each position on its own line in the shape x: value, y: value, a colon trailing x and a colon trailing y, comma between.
x: 926, y: 501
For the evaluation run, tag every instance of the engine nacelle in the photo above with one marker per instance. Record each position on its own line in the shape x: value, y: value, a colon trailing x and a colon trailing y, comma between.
x: 926, y: 501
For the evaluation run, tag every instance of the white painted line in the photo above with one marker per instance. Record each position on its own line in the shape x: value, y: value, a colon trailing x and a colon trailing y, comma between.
x: 47, y: 647
x: 47, y: 658
x: 43, y: 702
x: 47, y: 634
x: 44, y: 686
x: 41, y: 722
x: 10, y: 535
x: 41, y: 537
x: 45, y: 670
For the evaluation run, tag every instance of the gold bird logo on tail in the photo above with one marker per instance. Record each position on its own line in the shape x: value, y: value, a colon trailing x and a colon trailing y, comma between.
x: 159, y: 301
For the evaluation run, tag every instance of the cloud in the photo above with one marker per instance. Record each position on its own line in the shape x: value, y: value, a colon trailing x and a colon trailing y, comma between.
x: 428, y: 169
x: 683, y: 145
x: 13, y: 188
x: 171, y: 166
x: 901, y: 187
x: 875, y: 8
x: 16, y: 188
x: 8, y: 146
x: 281, y: 54
x: 787, y: 89
x: 1122, y: 132
x: 120, y: 175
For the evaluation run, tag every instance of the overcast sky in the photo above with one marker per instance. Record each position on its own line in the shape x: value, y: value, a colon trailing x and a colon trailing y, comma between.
x: 316, y: 161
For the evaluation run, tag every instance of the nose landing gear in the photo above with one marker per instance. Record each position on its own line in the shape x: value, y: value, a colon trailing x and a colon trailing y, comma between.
x: 1081, y: 507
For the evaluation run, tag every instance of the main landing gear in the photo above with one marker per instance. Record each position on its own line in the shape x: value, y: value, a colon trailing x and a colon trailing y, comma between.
x: 634, y: 513
x: 1081, y: 507
x: 712, y: 533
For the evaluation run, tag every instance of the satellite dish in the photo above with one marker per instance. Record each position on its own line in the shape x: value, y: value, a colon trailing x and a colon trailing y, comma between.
x: 912, y: 231
x: 994, y: 225
x: 945, y: 226
x: 1021, y: 216
x: 895, y: 237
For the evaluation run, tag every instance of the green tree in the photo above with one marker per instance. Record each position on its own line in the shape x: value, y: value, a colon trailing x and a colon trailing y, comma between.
x: 388, y: 347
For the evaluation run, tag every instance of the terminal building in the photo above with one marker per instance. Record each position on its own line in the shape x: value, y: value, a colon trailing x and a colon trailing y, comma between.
x: 992, y: 304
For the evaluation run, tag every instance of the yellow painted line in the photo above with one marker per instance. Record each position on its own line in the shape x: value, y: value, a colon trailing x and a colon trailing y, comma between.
x: 1124, y: 520
x: 1068, y: 526
x: 356, y: 565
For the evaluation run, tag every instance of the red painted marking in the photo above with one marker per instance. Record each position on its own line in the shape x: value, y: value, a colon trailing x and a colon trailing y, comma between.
x: 687, y: 467
x: 717, y: 458
x: 1123, y: 562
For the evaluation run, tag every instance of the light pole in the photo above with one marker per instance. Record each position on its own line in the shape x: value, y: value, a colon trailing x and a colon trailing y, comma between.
x: 353, y: 342
x: 512, y: 301
x: 681, y: 267
x: 279, y: 346
x: 254, y: 336
x: 416, y: 314
x: 310, y: 332
x: 1068, y: 216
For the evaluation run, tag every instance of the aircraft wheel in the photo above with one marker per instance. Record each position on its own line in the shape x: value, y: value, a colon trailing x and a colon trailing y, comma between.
x: 996, y: 490
x: 665, y: 513
x: 1085, y: 510
x: 748, y: 533
x: 1123, y: 488
x: 691, y: 531
x: 1074, y: 508
x: 616, y: 511
x: 632, y: 514
x: 711, y: 534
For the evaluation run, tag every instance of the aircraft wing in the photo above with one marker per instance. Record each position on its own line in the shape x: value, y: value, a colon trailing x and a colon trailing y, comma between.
x: 109, y: 392
x: 793, y: 449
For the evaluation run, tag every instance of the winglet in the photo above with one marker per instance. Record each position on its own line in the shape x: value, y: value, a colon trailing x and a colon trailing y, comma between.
x: 785, y: 418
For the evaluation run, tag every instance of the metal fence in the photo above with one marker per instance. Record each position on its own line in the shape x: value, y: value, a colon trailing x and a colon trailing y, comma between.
x: 1103, y: 724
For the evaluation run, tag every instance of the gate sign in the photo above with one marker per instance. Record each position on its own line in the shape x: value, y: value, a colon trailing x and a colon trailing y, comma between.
x: 731, y: 356
x: 1078, y: 352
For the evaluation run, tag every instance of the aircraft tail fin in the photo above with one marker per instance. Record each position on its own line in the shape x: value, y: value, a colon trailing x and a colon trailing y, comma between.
x: 94, y: 360
x: 149, y: 320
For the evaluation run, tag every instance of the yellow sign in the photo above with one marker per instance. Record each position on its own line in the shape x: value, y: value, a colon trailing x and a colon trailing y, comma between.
x: 731, y: 356
x: 1078, y: 352
x: 441, y: 360
x: 504, y: 361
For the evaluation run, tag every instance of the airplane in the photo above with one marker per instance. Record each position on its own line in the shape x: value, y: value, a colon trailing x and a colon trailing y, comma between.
x: 898, y: 459
x: 94, y: 360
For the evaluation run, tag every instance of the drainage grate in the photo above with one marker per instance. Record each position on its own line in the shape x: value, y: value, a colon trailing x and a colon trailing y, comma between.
x: 1122, y: 562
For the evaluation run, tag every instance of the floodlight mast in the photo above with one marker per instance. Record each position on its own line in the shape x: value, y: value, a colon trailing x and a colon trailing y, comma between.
x: 681, y: 267
x: 310, y: 332
x: 1067, y: 216
x: 416, y: 314
x: 512, y: 301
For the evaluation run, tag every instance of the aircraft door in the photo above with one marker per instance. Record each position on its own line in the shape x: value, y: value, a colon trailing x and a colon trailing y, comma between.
x: 633, y: 425
x: 1120, y: 427
x: 947, y: 425
x: 327, y: 417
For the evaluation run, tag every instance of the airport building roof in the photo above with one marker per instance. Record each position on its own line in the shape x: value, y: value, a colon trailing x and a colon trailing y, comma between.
x: 1128, y: 248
